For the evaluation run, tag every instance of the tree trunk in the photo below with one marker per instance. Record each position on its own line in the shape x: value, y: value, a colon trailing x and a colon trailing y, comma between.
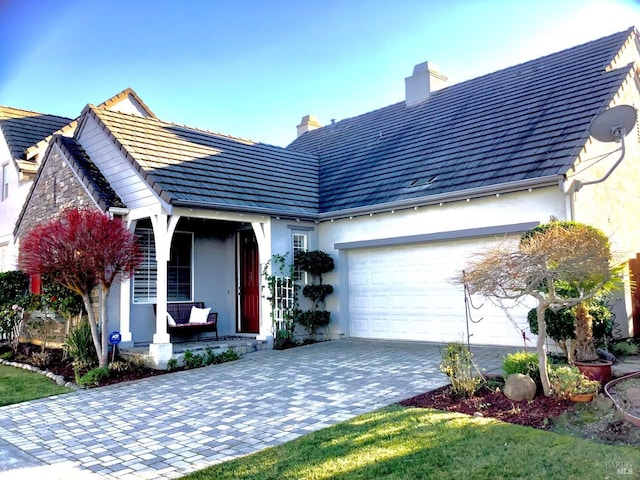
x: 103, y: 356
x: 86, y: 297
x: 542, y: 352
x: 585, y: 348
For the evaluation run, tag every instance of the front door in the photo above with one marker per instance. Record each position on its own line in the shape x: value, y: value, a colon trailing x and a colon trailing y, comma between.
x: 249, y: 283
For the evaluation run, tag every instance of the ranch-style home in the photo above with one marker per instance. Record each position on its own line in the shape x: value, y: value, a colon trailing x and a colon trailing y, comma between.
x: 400, y: 197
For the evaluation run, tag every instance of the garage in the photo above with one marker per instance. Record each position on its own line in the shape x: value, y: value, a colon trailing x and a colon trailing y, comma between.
x: 405, y: 292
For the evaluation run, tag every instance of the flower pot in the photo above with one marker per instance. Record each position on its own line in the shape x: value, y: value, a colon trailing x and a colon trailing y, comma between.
x: 599, y: 370
x: 581, y: 397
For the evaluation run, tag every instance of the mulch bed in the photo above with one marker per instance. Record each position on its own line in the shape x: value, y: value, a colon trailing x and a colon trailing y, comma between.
x: 536, y: 413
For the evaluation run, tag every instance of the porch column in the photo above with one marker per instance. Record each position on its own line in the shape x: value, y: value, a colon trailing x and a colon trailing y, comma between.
x: 125, y: 313
x: 262, y: 231
x: 125, y: 304
x: 163, y: 227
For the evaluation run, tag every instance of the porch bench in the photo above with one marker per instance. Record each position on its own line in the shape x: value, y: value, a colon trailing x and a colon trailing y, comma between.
x: 181, y: 313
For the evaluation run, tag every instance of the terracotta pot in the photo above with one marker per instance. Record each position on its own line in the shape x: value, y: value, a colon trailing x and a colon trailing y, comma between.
x: 599, y: 370
x: 581, y: 397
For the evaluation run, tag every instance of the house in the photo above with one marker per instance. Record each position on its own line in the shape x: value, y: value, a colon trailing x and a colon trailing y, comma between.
x: 19, y: 129
x: 401, y: 197
x: 24, y: 137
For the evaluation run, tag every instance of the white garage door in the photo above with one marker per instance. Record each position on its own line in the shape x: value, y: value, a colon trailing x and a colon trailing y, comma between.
x: 406, y: 293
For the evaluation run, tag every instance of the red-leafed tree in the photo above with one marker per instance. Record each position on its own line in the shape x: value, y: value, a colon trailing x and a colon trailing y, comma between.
x: 84, y: 250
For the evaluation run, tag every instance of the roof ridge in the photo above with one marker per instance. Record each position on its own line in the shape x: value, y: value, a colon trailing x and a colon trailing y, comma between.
x: 181, y: 125
x: 33, y: 111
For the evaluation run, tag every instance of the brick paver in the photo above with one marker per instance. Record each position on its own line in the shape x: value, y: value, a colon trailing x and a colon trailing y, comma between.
x: 167, y: 426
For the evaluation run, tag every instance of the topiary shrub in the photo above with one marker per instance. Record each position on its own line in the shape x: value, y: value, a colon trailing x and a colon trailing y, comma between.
x: 315, y: 263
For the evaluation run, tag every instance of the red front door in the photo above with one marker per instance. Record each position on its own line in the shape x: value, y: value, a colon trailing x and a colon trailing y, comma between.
x: 249, y: 283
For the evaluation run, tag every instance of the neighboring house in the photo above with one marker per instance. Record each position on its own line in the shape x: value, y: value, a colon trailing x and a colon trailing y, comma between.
x: 19, y: 129
x: 401, y: 197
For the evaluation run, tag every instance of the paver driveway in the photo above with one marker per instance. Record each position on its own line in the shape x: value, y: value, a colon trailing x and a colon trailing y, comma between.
x: 167, y: 426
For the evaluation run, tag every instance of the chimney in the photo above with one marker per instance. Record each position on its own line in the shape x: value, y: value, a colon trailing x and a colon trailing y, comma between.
x: 425, y: 79
x: 308, y: 123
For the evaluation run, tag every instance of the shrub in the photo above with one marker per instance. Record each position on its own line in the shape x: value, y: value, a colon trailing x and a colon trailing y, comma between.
x: 212, y: 358
x: 525, y: 363
x: 121, y: 366
x: 79, y: 346
x: 624, y: 348
x: 457, y: 364
x: 172, y: 364
x: 567, y: 381
x: 191, y: 360
x: 93, y: 378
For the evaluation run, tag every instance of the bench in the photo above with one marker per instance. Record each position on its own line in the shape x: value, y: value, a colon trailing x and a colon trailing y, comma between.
x: 181, y: 313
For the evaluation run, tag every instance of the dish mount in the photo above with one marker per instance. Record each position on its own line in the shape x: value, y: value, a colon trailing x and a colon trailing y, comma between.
x: 612, y: 125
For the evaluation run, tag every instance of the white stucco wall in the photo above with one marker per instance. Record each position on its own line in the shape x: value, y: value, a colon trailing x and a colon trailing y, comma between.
x: 613, y: 205
x: 537, y: 205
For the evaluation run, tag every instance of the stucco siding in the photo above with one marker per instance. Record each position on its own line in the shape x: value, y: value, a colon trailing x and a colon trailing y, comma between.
x: 537, y: 205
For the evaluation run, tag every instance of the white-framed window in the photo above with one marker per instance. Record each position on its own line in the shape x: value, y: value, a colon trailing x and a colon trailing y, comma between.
x: 4, y: 187
x: 299, y: 244
x: 179, y: 268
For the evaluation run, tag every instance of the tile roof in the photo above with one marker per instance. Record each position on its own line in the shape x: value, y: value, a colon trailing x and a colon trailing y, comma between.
x: 191, y: 167
x: 526, y: 122
x: 23, y: 128
x: 88, y: 173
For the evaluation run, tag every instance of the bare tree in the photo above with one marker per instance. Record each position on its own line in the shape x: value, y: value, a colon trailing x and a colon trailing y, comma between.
x: 83, y: 250
x: 559, y: 263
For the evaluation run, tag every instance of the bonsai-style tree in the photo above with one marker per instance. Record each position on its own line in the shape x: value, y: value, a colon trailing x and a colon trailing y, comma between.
x: 83, y: 250
x: 315, y: 263
x: 560, y: 264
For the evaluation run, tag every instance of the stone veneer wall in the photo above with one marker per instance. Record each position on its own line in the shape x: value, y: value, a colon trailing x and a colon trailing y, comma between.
x: 56, y: 189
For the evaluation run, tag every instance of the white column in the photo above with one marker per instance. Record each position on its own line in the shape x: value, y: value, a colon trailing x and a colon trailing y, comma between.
x: 163, y: 227
x: 262, y: 231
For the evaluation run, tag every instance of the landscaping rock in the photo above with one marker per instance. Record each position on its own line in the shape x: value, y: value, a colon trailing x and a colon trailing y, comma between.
x: 519, y: 387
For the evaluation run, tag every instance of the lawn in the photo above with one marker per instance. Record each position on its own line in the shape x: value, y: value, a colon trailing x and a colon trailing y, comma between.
x: 18, y: 385
x: 408, y: 443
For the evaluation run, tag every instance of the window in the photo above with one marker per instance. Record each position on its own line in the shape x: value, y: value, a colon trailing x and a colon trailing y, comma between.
x: 179, y: 268
x: 179, y: 277
x: 299, y: 244
x: 4, y: 188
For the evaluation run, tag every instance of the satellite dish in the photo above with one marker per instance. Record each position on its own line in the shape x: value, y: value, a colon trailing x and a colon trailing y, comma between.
x: 613, y: 124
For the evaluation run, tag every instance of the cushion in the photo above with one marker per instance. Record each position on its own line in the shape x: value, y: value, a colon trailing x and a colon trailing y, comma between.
x: 199, y: 315
x: 170, y: 321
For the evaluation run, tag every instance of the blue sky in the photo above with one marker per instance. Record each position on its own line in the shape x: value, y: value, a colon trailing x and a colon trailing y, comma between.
x: 253, y: 69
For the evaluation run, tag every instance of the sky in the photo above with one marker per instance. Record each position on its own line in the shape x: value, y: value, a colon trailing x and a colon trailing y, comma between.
x: 253, y: 69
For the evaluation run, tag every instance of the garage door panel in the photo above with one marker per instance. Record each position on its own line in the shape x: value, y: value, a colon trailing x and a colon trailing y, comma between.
x: 406, y: 292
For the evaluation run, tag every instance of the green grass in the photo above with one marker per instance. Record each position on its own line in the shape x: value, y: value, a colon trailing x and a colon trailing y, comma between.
x: 408, y: 443
x: 18, y: 385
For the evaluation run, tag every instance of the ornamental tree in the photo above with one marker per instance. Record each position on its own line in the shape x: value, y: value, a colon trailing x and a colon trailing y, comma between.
x: 84, y: 250
x: 560, y: 264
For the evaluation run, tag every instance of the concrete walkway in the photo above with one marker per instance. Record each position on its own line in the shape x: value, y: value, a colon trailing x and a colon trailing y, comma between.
x: 167, y: 426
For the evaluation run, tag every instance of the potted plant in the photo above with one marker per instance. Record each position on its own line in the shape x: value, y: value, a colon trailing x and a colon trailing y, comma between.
x: 586, y: 355
x: 576, y: 331
x: 569, y: 383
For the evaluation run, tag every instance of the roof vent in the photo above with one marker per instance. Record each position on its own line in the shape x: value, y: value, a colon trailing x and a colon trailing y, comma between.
x: 426, y: 78
x: 308, y: 123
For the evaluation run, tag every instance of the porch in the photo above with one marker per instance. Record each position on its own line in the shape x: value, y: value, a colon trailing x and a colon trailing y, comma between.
x: 240, y: 344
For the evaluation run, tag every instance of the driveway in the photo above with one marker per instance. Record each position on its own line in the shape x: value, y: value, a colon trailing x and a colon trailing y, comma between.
x: 167, y: 426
